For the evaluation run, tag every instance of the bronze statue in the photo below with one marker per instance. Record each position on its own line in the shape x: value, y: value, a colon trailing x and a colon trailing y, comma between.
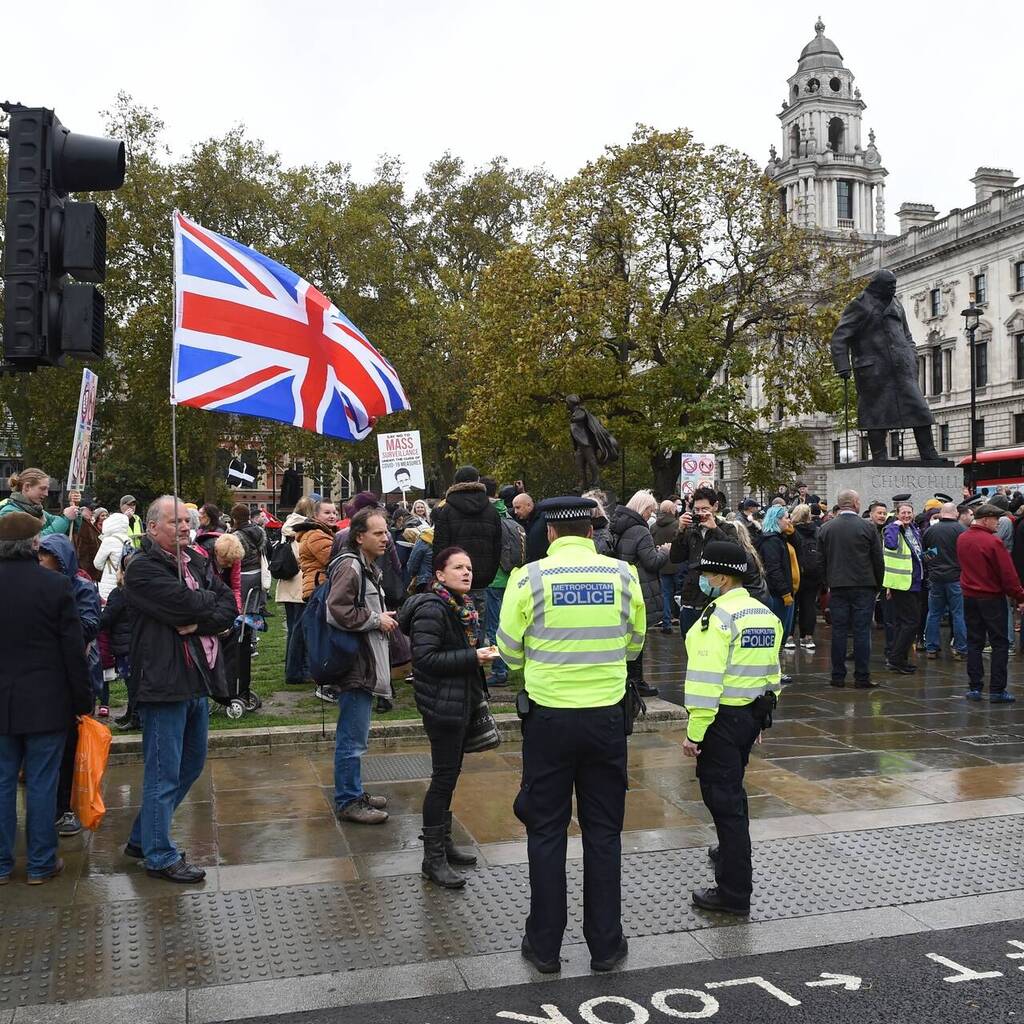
x: 592, y: 445
x: 873, y: 336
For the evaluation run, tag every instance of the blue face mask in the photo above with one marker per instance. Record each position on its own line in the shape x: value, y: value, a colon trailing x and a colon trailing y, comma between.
x: 708, y: 589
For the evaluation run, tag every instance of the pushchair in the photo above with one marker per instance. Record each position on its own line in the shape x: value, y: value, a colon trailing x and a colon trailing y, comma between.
x: 239, y: 697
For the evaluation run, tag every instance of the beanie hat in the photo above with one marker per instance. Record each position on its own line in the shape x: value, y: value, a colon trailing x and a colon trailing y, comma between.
x: 19, y: 526
x: 467, y: 475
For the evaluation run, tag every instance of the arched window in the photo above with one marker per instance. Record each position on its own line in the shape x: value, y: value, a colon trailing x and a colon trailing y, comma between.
x: 836, y: 134
x: 794, y: 140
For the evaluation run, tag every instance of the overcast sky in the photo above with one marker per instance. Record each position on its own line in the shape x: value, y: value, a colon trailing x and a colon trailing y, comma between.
x: 543, y: 82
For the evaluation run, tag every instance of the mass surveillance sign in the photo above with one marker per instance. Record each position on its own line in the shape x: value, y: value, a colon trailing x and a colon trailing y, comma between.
x: 401, y: 461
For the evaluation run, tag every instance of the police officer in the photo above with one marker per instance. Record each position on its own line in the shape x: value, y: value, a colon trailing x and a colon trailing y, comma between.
x: 732, y: 686
x: 571, y: 621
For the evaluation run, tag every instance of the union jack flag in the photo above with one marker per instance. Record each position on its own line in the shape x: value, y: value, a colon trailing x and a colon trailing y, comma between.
x: 252, y: 337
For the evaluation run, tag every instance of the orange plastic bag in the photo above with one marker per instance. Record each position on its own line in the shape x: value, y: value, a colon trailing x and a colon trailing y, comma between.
x: 90, y: 764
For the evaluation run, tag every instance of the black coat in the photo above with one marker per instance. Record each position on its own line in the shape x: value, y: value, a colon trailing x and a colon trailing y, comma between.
x: 118, y: 620
x: 635, y: 545
x: 536, y: 528
x: 468, y: 520
x: 687, y: 547
x: 165, y: 665
x: 850, y: 552
x: 447, y: 678
x: 778, y: 572
x: 44, y: 678
x: 876, y: 340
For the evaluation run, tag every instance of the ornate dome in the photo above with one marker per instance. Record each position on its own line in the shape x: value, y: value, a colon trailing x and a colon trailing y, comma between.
x: 820, y: 52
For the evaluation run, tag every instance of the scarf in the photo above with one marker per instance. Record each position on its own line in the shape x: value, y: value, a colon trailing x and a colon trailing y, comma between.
x: 463, y: 607
x: 17, y: 498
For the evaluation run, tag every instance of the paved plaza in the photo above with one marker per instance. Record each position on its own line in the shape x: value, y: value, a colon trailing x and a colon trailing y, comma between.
x: 874, y: 813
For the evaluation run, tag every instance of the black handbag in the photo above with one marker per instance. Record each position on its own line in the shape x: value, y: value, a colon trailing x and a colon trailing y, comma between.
x: 482, y: 731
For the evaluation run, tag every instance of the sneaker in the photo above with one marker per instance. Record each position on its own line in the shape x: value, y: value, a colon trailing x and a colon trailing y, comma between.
x: 377, y: 802
x: 790, y: 644
x: 361, y: 813
x: 807, y: 643
x: 1003, y: 697
x: 52, y: 873
x: 68, y: 825
x: 973, y: 695
x: 932, y: 655
x: 987, y: 649
x: 326, y: 693
x: 104, y: 712
x: 958, y: 655
x: 181, y: 872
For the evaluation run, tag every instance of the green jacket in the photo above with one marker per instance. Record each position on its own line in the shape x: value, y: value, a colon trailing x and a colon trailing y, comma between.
x: 51, y: 523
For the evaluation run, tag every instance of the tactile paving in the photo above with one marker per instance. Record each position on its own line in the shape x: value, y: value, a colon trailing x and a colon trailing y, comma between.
x: 129, y: 947
x: 396, y: 767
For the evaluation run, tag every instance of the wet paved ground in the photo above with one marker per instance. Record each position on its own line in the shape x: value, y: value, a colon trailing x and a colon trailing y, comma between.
x: 911, y: 753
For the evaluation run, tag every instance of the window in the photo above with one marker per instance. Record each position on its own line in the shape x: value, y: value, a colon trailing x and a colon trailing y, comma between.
x: 1019, y: 345
x: 1018, y: 276
x: 794, y: 140
x: 936, y: 372
x: 947, y: 359
x: 721, y: 470
x: 979, y: 433
x: 944, y: 437
x: 922, y: 374
x: 836, y: 452
x: 895, y: 444
x: 844, y: 200
x: 865, y: 451
x: 935, y: 301
x: 980, y: 289
x: 782, y: 201
x: 981, y: 364
x: 836, y: 131
x: 1018, y: 428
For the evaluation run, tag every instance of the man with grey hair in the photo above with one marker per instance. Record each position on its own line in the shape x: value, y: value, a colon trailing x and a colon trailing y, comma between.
x: 42, y: 687
x: 850, y: 559
x: 944, y: 593
x: 181, y: 609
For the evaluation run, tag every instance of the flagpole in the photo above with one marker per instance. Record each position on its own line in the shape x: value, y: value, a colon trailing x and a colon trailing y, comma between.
x: 174, y: 474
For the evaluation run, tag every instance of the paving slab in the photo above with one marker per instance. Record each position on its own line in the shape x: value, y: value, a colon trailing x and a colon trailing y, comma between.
x: 144, y: 1008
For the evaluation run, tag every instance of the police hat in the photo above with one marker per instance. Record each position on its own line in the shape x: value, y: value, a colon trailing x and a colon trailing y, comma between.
x: 897, y: 498
x: 566, y: 508
x: 974, y: 501
x: 943, y: 497
x: 725, y: 557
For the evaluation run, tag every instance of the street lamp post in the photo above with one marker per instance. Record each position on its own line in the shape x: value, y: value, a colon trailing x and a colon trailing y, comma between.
x: 971, y: 316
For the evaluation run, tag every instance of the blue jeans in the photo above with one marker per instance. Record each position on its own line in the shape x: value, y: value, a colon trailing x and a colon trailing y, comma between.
x: 670, y: 584
x: 173, y: 754
x: 943, y: 597
x: 499, y: 670
x: 783, y: 612
x: 354, y: 708
x: 41, y: 753
x: 296, y: 666
x: 852, y: 610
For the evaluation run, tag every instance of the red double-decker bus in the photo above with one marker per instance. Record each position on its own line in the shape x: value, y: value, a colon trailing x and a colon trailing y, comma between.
x: 1003, y: 467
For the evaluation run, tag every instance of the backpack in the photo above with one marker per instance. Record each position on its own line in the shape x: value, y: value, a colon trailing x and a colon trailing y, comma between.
x: 809, y: 556
x: 513, y: 544
x: 331, y: 650
x: 283, y: 563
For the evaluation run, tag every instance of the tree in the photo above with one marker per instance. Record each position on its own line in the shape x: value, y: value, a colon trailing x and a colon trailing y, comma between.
x: 656, y: 284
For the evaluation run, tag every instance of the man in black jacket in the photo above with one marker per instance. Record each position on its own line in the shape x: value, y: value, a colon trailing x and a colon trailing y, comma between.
x: 525, y: 511
x: 44, y: 683
x: 944, y: 593
x: 180, y: 609
x: 850, y: 559
x: 467, y: 519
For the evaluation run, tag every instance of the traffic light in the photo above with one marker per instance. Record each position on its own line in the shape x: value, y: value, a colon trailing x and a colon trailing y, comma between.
x: 48, y: 237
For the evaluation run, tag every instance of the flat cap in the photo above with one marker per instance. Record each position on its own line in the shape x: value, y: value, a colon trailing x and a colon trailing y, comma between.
x: 19, y: 526
x: 988, y: 510
x: 566, y: 508
x: 128, y: 499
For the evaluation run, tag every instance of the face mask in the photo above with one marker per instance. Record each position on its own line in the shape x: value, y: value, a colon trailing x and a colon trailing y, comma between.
x: 707, y: 588
x: 652, y: 519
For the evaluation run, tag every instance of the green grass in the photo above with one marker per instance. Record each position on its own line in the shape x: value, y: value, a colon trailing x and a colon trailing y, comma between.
x: 295, y: 705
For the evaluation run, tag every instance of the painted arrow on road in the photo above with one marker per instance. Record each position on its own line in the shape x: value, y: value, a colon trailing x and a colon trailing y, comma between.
x: 848, y: 981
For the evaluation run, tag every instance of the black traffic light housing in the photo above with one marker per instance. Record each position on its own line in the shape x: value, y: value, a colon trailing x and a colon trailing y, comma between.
x: 47, y: 237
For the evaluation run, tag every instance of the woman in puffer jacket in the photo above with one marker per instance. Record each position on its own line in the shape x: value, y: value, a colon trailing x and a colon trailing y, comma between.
x: 108, y: 558
x: 635, y: 545
x: 447, y: 666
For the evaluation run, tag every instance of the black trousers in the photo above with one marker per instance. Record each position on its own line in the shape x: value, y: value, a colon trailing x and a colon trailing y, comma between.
x: 986, y: 616
x: 445, y: 766
x: 906, y: 613
x: 806, y: 609
x: 582, y: 749
x: 723, y: 757
x: 67, y: 769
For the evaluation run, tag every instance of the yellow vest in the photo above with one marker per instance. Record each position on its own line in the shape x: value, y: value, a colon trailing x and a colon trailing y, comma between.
x: 899, y: 565
x: 571, y: 621
x: 731, y: 662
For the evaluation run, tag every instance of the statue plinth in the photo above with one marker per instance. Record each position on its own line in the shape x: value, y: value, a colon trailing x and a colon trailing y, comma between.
x: 921, y: 480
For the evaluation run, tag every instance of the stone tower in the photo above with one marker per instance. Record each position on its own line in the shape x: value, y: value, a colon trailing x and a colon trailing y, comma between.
x: 828, y: 180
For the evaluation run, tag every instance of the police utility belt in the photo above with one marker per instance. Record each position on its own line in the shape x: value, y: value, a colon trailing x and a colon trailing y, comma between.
x: 632, y: 704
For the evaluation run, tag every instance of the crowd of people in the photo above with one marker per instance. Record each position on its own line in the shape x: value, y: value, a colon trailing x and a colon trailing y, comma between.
x: 172, y: 604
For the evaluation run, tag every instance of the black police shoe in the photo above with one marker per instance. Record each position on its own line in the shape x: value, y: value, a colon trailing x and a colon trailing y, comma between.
x: 543, y: 966
x: 711, y: 899
x: 614, y: 960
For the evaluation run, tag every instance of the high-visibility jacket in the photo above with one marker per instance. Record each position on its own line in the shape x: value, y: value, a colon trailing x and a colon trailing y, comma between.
x: 899, y: 565
x: 135, y: 531
x: 571, y: 621
x: 732, y: 658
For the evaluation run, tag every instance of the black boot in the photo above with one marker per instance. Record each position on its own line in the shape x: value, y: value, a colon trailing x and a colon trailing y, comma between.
x: 435, y: 864
x: 876, y: 442
x: 926, y: 444
x: 455, y: 855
